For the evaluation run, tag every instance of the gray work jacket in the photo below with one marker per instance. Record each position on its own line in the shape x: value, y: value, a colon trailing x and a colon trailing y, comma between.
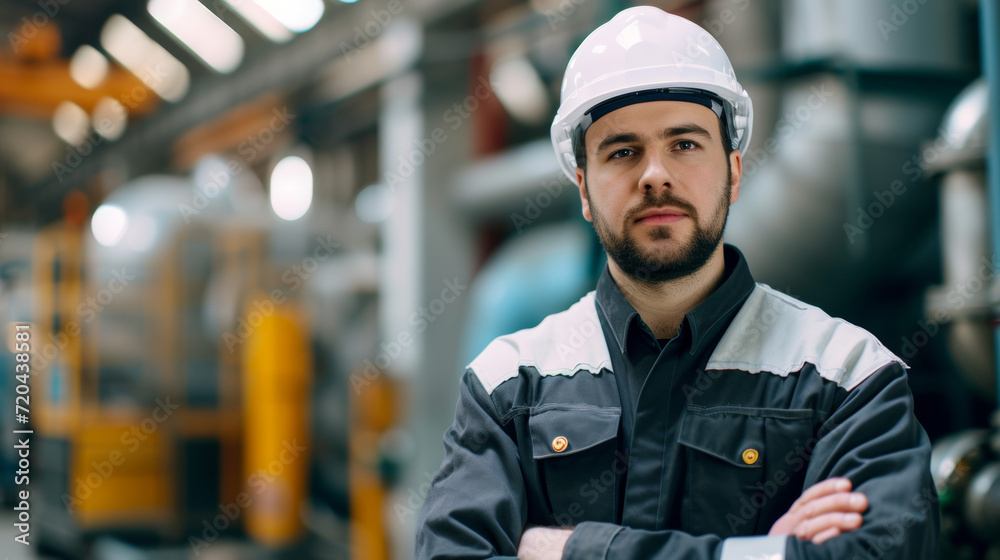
x: 757, y: 398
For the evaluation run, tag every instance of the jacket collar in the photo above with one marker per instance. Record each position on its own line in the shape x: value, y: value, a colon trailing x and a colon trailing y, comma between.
x: 710, y: 315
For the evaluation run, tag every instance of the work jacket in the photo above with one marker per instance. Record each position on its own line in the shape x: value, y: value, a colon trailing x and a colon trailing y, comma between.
x: 689, y: 448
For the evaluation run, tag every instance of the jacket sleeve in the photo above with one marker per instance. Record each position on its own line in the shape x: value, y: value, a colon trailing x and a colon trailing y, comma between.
x: 593, y: 540
x: 873, y: 439
x: 476, y: 506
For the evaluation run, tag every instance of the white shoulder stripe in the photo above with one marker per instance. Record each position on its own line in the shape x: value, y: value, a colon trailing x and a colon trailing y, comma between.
x: 777, y: 333
x: 562, y: 344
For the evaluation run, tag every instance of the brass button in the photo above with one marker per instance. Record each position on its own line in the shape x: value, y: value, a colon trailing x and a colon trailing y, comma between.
x: 560, y: 444
x: 750, y: 456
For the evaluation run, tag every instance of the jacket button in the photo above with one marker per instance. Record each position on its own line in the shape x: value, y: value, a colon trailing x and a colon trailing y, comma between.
x: 560, y: 444
x: 750, y: 456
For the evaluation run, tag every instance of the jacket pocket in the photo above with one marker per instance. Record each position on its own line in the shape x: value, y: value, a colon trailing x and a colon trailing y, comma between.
x: 574, y: 448
x: 738, y: 476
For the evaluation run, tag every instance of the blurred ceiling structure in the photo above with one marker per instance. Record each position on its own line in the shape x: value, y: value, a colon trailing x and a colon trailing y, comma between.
x: 78, y: 78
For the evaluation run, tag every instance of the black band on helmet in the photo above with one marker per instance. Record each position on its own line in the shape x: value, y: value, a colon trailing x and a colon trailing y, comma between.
x: 690, y: 95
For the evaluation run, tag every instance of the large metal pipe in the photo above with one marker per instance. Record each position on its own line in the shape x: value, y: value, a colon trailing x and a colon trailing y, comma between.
x: 963, y: 302
x: 842, y: 138
x: 989, y: 18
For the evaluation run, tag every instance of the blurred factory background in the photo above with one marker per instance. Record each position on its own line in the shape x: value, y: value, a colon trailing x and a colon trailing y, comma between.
x: 257, y: 241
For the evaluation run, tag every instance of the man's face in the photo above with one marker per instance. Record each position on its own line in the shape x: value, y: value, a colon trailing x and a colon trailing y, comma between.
x: 658, y: 186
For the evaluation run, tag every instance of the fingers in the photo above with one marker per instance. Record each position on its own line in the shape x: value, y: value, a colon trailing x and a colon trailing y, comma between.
x: 843, y: 502
x: 825, y: 510
x: 826, y: 535
x: 825, y: 525
x: 824, y: 488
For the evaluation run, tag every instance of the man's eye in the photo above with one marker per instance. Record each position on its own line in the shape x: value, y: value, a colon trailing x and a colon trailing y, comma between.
x: 686, y: 145
x: 624, y: 152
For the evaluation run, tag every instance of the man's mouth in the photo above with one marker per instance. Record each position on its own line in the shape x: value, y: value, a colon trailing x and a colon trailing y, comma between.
x: 660, y: 216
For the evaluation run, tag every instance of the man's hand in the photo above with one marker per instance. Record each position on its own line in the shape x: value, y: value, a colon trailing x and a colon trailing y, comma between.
x: 825, y: 510
x: 543, y: 543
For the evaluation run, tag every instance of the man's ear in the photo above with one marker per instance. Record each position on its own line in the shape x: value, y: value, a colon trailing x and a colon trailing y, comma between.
x: 581, y: 184
x: 736, y: 164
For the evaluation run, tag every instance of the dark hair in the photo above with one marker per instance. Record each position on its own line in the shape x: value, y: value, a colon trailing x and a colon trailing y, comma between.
x: 580, y: 149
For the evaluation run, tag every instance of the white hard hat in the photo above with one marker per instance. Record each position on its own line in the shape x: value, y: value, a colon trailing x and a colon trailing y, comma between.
x: 646, y: 54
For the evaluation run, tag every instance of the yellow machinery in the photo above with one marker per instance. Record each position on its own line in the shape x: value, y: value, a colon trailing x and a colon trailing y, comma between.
x: 138, y: 408
x: 150, y: 423
x: 102, y: 466
x: 373, y: 412
x: 276, y: 432
x: 276, y: 417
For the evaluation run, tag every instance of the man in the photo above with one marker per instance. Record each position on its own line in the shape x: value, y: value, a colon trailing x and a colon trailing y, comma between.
x: 680, y: 410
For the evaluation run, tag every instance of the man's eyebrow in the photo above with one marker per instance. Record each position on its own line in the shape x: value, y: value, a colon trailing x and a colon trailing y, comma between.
x: 683, y: 129
x: 680, y: 130
x: 622, y: 138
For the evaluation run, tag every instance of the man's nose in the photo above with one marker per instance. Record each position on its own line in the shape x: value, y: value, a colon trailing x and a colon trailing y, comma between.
x: 656, y: 171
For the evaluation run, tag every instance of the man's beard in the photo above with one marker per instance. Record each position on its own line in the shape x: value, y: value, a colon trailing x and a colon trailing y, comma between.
x: 648, y: 268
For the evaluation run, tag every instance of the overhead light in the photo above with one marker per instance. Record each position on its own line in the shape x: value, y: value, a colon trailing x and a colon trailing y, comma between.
x: 201, y: 31
x: 110, y: 118
x: 291, y: 188
x: 109, y: 224
x: 71, y: 123
x: 145, y: 58
x: 261, y: 20
x: 520, y: 89
x: 297, y: 15
x: 88, y: 67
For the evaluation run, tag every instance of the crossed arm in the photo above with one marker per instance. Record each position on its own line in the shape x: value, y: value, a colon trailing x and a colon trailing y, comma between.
x: 824, y: 511
x: 872, y: 442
